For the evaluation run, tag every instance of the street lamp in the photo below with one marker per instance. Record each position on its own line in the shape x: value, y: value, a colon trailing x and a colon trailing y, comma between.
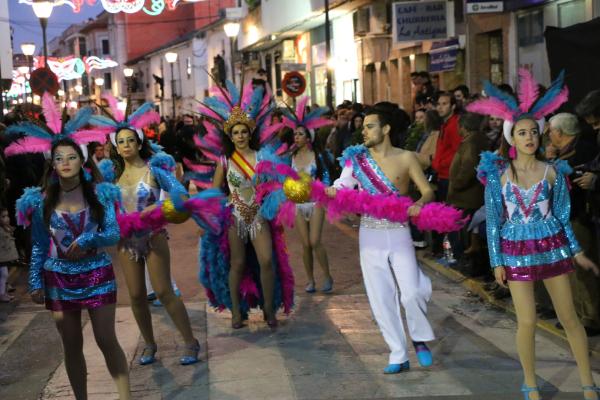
x: 99, y: 82
x: 232, y: 29
x: 128, y: 73
x: 43, y: 10
x: 171, y: 59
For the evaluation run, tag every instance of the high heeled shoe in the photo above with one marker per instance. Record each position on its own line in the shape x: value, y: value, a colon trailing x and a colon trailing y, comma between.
x: 191, y: 354
x: 591, y: 388
x: 327, y: 286
x: 526, y: 390
x: 148, y: 355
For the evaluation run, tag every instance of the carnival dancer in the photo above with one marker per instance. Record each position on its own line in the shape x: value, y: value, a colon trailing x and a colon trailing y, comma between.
x: 387, y: 257
x: 309, y: 158
x: 529, y: 235
x: 143, y: 176
x: 73, y: 218
x: 247, y: 266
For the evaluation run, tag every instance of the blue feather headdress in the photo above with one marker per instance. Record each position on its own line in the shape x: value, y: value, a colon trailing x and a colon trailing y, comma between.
x: 37, y: 138
x: 114, y: 119
x: 505, y: 106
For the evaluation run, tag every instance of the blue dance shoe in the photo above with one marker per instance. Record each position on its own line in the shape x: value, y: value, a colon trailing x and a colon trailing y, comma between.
x: 423, y: 354
x: 591, y: 388
x: 526, y: 390
x: 191, y: 354
x: 157, y: 303
x: 396, y: 368
x: 310, y: 288
x: 327, y: 286
x: 148, y: 355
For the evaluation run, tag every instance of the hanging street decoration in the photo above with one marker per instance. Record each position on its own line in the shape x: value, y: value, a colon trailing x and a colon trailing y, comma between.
x: 71, y: 67
x: 150, y: 7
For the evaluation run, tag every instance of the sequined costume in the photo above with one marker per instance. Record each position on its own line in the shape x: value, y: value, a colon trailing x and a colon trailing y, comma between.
x: 244, y: 207
x: 72, y: 285
x: 307, y: 209
x: 528, y: 230
x: 388, y: 262
x: 143, y: 194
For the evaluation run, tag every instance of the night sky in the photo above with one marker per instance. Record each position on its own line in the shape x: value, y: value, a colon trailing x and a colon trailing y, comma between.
x: 26, y: 27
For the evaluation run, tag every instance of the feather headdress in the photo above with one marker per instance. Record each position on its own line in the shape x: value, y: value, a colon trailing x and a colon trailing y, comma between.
x: 114, y: 119
x: 311, y: 121
x: 529, y: 105
x: 38, y: 138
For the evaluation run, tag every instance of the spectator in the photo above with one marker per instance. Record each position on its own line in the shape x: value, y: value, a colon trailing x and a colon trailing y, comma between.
x: 97, y: 151
x: 447, y: 144
x: 461, y: 94
x: 188, y: 120
x: 427, y: 145
x: 493, y: 131
x: 566, y: 143
x: 341, y: 136
x: 357, y: 128
x: 465, y: 191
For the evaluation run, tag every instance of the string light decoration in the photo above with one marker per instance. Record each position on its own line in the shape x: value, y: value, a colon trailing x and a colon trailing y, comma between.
x: 71, y: 67
x: 155, y: 7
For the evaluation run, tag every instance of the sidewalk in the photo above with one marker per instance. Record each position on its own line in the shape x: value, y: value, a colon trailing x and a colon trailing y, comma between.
x: 476, y: 286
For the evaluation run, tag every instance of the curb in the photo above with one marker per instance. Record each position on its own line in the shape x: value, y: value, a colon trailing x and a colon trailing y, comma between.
x: 475, y: 286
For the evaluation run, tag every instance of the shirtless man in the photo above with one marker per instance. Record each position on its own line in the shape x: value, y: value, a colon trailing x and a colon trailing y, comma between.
x: 387, y: 256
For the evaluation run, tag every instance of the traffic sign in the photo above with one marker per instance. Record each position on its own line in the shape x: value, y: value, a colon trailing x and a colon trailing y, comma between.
x: 293, y: 84
x: 43, y: 80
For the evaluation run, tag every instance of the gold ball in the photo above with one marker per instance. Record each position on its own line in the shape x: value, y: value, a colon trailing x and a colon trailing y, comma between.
x: 298, y: 190
x: 172, y: 215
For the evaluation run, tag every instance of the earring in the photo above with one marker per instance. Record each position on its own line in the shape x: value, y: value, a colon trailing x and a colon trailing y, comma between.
x: 512, y: 152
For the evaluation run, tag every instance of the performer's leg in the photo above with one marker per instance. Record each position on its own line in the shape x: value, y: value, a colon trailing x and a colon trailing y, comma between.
x: 159, y: 268
x: 316, y: 229
x: 68, y: 324
x: 381, y: 291
x: 103, y: 324
x: 237, y: 261
x: 414, y: 285
x: 134, y: 272
x: 559, y: 289
x: 523, y: 299
x: 307, y: 255
x: 263, y: 246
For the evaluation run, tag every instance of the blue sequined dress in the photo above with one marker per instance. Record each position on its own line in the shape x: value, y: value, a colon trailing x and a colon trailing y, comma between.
x: 528, y: 229
x: 72, y: 284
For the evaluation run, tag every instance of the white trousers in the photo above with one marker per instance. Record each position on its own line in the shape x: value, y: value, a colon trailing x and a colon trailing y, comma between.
x: 392, y: 276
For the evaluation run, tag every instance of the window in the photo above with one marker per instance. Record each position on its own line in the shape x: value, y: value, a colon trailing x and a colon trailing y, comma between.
x: 496, y: 58
x: 188, y: 67
x: 82, y: 47
x: 530, y: 27
x: 571, y: 13
x: 107, y: 80
x: 105, y: 46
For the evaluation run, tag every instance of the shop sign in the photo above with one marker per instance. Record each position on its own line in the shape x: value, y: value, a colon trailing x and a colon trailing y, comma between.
x: 421, y: 20
x: 442, y: 56
x: 293, y: 84
x: 293, y: 67
x: 480, y: 7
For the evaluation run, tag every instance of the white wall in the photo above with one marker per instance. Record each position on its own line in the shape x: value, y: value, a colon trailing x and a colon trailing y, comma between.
x: 344, y: 55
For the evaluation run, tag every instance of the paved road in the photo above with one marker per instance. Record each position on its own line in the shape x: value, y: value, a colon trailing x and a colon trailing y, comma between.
x: 329, y: 348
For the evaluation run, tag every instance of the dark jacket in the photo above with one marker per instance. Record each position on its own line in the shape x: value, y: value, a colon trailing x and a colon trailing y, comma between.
x: 465, y: 191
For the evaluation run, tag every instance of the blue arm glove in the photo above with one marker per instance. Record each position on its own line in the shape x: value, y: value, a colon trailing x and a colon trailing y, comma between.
x: 494, y: 219
x: 561, y: 209
x: 39, y: 250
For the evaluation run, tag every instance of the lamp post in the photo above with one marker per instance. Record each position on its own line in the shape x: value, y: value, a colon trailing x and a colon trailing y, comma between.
x: 328, y: 87
x: 43, y: 10
x: 171, y: 59
x: 28, y: 50
x: 99, y: 82
x: 232, y: 29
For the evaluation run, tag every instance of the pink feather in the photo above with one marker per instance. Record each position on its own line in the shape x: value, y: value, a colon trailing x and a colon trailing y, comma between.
x: 86, y: 136
x: 202, y: 168
x: 217, y: 92
x: 318, y: 123
x: 491, y: 106
x: 528, y: 90
x: 51, y: 113
x: 146, y: 119
x: 265, y: 102
x: 268, y: 132
x: 114, y: 108
x: 289, y: 123
x: 266, y: 188
x: 301, y: 108
x: 287, y: 214
x: 28, y: 144
x: 247, y: 92
x: 202, y: 109
x: 553, y: 105
x: 284, y: 270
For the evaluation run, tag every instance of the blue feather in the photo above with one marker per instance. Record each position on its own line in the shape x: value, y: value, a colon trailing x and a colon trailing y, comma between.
x: 163, y: 161
x: 101, y: 120
x: 506, y: 98
x: 563, y: 167
x: 29, y: 129
x: 143, y: 109
x: 234, y: 93
x: 107, y: 170
x: 271, y: 204
x: 289, y: 115
x: 79, y: 120
x: 316, y: 113
x: 108, y: 193
x: 553, y: 91
x: 490, y: 164
x: 218, y: 106
x: 255, y: 102
x: 350, y: 153
x: 155, y: 147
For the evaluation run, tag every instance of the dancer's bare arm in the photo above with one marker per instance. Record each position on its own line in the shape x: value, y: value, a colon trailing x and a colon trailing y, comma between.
x: 416, y: 174
x: 219, y: 177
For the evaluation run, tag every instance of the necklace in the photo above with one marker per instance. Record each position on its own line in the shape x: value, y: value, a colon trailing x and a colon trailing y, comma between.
x: 70, y: 190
